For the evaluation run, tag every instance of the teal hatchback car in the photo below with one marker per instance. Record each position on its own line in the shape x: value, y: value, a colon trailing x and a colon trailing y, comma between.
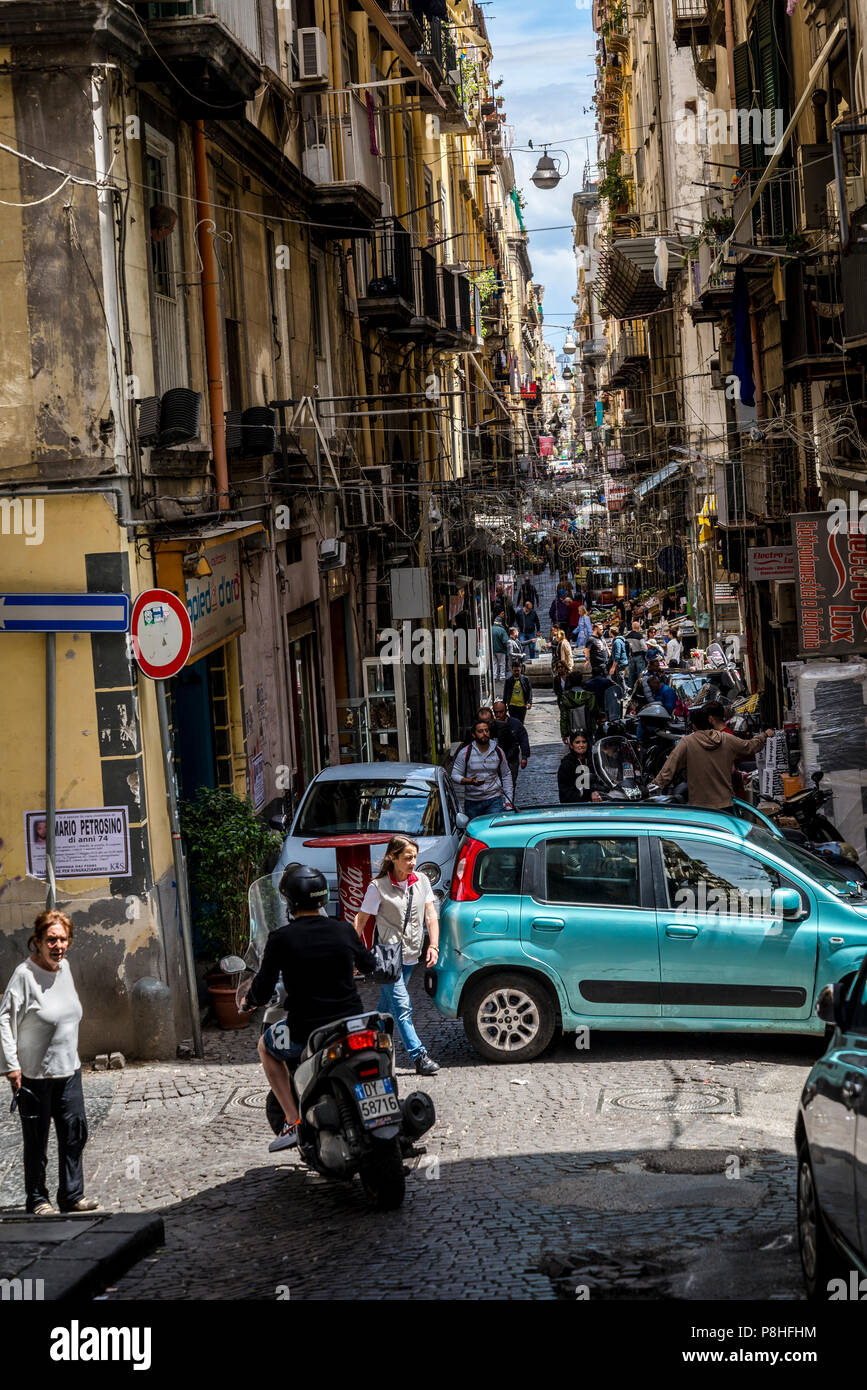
x: 638, y: 916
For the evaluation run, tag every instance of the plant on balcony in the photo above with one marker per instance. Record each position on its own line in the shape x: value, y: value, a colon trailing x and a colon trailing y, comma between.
x: 614, y: 186
x: 614, y: 24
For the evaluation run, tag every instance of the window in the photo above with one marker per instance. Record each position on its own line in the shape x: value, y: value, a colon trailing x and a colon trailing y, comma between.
x: 167, y: 308
x: 226, y: 248
x: 592, y: 872
x: 412, y: 807
x: 704, y: 876
x: 499, y: 871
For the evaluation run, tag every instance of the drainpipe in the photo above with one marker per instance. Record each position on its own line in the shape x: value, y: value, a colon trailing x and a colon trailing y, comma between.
x: 205, y: 228
x: 730, y: 48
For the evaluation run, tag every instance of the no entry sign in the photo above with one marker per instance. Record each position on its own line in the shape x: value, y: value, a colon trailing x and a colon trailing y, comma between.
x: 162, y: 633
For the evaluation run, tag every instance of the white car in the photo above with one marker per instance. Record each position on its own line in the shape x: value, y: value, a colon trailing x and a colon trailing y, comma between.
x: 415, y: 799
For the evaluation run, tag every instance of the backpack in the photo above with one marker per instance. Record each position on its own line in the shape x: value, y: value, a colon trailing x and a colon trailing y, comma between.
x: 635, y: 644
x: 465, y: 748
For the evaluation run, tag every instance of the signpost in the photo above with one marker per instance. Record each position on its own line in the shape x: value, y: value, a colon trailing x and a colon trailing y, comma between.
x: 162, y: 638
x: 51, y: 613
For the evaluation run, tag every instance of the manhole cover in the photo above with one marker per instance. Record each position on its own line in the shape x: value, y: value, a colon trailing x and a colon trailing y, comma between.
x: 673, y: 1100
x: 247, y: 1100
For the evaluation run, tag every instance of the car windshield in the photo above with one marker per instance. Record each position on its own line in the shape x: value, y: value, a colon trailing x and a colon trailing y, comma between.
x: 686, y: 686
x: 410, y: 807
x: 826, y: 874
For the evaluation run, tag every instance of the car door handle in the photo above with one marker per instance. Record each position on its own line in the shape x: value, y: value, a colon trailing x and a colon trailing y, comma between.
x: 547, y: 924
x: 851, y: 1090
x: 681, y: 933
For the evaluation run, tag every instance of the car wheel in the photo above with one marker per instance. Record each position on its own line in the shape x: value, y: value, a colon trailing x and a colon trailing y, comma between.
x: 509, y: 1017
x: 819, y: 1259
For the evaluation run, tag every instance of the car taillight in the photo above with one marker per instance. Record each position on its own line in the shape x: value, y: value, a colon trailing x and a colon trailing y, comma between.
x: 359, y: 1041
x: 462, y: 890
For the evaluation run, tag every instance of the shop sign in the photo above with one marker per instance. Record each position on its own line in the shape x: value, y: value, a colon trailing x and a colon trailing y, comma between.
x: 775, y: 562
x: 546, y: 446
x: 92, y: 843
x: 830, y: 586
x: 215, y: 601
x: 725, y: 593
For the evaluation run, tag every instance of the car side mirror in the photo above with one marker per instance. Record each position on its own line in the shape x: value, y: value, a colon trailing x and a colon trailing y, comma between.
x: 280, y: 823
x: 831, y: 1001
x: 786, y: 903
x: 462, y: 821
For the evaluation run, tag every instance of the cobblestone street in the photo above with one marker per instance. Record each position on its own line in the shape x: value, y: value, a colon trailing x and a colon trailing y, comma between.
x: 645, y: 1167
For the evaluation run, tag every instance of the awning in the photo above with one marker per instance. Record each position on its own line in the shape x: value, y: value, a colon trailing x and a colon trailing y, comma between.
x: 396, y: 43
x: 655, y: 479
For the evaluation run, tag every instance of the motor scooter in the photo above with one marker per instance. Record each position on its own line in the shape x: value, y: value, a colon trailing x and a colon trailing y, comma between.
x: 353, y: 1120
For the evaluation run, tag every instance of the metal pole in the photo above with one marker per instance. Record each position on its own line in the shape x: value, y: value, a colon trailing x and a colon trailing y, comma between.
x: 50, y: 777
x: 180, y: 868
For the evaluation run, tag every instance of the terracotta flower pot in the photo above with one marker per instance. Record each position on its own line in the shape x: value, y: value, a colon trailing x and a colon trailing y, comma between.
x: 221, y: 988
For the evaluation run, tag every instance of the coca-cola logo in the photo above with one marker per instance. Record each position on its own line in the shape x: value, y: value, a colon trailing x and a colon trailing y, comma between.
x: 351, y: 886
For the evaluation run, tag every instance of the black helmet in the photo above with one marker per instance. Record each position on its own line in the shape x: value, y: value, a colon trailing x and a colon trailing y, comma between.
x: 304, y: 889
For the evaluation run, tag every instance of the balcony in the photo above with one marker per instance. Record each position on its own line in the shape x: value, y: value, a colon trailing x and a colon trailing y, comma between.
x: 628, y: 357
x: 691, y: 22
x: 338, y: 158
x: 213, y: 47
x: 405, y: 22
x: 713, y: 288
x: 390, y: 299
x: 457, y: 309
x: 438, y: 54
x: 594, y: 350
x: 814, y: 330
x: 772, y: 219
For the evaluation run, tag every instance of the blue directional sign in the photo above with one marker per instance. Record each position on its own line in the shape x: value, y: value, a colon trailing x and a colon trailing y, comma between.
x: 64, y: 613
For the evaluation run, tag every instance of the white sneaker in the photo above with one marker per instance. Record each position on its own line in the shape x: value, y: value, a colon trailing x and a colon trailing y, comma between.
x: 286, y: 1139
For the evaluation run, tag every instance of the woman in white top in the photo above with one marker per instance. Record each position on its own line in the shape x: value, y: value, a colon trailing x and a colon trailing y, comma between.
x: 402, y: 902
x: 39, y: 1017
x: 673, y: 651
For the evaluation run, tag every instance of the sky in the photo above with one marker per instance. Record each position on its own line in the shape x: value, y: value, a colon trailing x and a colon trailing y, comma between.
x: 545, y: 52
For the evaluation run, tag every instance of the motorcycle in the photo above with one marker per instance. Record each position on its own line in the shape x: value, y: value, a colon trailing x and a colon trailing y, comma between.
x: 814, y: 832
x: 627, y: 764
x: 353, y: 1120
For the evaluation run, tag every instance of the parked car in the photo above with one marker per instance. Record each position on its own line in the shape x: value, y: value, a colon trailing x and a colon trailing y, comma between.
x: 831, y: 1140
x: 413, y: 799
x: 637, y: 916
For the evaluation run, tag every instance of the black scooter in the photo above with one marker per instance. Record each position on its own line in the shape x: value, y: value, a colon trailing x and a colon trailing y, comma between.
x: 815, y: 831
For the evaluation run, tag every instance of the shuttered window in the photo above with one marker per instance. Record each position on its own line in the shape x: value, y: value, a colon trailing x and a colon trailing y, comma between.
x: 749, y: 156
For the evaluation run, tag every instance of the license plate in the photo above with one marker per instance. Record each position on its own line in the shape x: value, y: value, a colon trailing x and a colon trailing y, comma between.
x: 377, y: 1102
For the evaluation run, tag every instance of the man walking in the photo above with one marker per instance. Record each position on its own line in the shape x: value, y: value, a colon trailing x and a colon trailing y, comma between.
x: 482, y: 770
x: 500, y: 644
x: 528, y: 593
x: 518, y: 693
x: 706, y: 757
x: 512, y: 738
x: 636, y: 648
x: 527, y: 623
x: 559, y: 610
x: 598, y: 653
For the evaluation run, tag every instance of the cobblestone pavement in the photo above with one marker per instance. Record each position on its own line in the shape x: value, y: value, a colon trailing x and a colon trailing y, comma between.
x: 561, y: 1175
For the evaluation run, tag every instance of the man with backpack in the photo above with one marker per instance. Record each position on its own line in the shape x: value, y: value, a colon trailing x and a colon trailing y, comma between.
x: 636, y: 647
x: 481, y: 768
x: 577, y: 709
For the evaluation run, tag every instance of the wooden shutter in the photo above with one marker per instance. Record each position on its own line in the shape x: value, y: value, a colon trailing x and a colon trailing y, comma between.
x: 749, y: 156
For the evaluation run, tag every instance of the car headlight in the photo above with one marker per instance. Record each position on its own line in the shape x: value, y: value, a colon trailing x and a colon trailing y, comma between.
x: 431, y: 871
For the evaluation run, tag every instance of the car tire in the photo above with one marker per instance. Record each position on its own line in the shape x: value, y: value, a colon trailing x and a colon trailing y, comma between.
x: 820, y: 1261
x: 509, y: 1017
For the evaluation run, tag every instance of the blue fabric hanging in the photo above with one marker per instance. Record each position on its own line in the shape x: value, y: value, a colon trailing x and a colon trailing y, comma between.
x: 742, y: 364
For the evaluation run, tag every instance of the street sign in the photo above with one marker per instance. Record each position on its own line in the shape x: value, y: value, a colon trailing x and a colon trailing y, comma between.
x: 162, y: 634
x: 64, y: 613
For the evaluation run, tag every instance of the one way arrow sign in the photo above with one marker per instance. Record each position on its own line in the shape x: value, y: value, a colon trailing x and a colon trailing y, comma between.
x: 64, y: 613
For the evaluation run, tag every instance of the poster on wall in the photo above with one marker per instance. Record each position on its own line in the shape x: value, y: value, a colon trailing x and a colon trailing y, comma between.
x: 92, y: 843
x: 257, y: 779
x: 830, y: 586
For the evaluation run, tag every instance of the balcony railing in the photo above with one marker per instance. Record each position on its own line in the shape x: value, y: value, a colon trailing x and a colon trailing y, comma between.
x: 240, y: 17
x: 628, y: 356
x: 392, y: 275
x: 338, y: 156
x: 691, y: 21
x: 594, y: 350
x: 427, y: 290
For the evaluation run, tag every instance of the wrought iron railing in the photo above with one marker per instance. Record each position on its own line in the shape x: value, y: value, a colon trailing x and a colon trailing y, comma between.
x: 240, y: 17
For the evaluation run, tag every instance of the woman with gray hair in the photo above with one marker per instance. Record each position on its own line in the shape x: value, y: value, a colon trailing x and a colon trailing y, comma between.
x: 402, y: 903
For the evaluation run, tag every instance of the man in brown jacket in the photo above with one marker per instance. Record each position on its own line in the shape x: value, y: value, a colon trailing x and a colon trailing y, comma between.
x: 706, y: 756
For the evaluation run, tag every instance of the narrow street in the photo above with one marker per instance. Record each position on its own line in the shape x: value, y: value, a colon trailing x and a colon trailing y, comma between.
x: 644, y: 1167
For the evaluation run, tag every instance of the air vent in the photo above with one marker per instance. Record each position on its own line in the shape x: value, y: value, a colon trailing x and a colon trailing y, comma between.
x: 149, y: 420
x: 332, y: 554
x: 233, y: 431
x: 180, y: 416
x: 259, y: 430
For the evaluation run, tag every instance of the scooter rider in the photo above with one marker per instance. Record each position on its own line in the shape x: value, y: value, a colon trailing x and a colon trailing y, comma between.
x: 315, y: 955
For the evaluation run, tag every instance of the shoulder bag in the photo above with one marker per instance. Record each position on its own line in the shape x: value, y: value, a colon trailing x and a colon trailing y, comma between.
x: 389, y: 954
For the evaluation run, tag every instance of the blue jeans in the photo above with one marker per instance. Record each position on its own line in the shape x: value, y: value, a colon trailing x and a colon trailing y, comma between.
x: 529, y: 646
x: 394, y: 999
x: 484, y: 808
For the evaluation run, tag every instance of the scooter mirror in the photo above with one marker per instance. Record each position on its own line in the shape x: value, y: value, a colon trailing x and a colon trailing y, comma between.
x: 232, y: 965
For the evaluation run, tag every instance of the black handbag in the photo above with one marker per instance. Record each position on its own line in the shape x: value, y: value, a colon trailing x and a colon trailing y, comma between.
x: 389, y: 954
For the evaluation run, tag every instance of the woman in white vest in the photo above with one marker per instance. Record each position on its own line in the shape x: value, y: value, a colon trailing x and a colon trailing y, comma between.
x: 402, y: 902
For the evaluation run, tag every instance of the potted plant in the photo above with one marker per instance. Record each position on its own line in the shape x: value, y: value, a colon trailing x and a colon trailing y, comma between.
x: 228, y: 846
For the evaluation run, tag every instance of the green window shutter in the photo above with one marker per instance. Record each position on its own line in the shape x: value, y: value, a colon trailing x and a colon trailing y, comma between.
x: 749, y: 156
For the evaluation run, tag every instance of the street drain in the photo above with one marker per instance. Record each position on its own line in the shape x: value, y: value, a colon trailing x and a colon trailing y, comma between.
x: 672, y: 1100
x: 246, y: 1100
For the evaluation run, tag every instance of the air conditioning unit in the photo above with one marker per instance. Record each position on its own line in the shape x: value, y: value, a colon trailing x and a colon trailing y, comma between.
x: 379, y: 498
x: 312, y: 56
x: 148, y: 420
x: 354, y: 506
x: 180, y: 416
x: 332, y: 554
x: 855, y: 198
